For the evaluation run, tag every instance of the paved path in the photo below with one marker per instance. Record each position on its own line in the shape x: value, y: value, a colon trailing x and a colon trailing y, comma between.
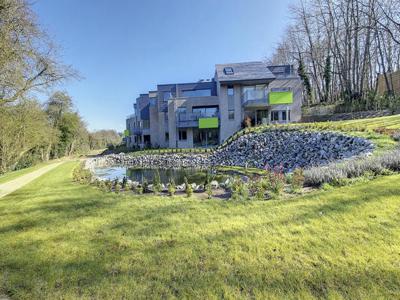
x: 17, y: 183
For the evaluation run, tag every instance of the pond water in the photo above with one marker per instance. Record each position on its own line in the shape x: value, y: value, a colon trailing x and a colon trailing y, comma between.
x: 135, y: 174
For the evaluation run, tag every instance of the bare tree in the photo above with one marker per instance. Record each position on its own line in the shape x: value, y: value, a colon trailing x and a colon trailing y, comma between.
x: 28, y: 59
x: 344, y: 45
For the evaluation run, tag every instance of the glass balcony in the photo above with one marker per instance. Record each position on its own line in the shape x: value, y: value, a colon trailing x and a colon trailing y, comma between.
x: 192, y: 119
x: 255, y: 97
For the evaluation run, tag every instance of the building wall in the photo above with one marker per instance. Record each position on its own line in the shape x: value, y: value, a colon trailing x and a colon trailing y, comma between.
x: 188, y: 103
x: 296, y: 85
x: 229, y: 127
x: 154, y: 126
x: 159, y: 126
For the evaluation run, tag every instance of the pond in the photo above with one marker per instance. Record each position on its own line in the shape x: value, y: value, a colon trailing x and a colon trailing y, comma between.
x: 136, y: 174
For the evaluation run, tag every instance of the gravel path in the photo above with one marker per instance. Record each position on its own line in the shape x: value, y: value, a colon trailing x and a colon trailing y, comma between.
x: 15, y: 184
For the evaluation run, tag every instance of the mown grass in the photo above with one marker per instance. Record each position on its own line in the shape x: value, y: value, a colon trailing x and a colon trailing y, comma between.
x: 59, y: 239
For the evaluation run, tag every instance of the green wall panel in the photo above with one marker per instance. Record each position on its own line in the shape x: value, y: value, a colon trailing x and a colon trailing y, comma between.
x: 280, y: 98
x: 208, y: 123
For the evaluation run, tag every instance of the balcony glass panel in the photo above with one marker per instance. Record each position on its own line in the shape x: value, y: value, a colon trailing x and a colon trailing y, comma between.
x: 206, y: 112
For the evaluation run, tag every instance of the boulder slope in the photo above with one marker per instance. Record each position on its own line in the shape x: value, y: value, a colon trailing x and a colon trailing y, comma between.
x: 288, y: 149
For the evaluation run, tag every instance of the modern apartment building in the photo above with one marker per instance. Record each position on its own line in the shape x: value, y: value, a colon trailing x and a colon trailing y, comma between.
x: 205, y: 113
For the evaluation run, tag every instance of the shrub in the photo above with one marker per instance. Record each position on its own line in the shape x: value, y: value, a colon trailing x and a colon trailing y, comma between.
x: 391, y: 160
x: 157, y: 182
x: 208, y: 190
x: 145, y: 186
x: 239, y: 190
x: 117, y: 187
x: 188, y: 188
x: 336, y: 173
x: 276, y: 180
x: 171, y: 187
x: 139, y: 189
x: 124, y: 183
x: 326, y: 187
x: 297, y: 180
x: 82, y: 175
x: 102, y: 186
x: 109, y: 185
x: 260, y: 189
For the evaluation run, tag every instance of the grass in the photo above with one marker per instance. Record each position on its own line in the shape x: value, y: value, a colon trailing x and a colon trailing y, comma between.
x: 59, y: 240
x: 15, y: 174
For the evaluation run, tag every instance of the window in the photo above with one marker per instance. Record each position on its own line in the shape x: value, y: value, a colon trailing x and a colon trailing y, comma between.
x: 231, y: 114
x: 181, y: 113
x: 284, y: 115
x: 281, y: 89
x: 196, y: 93
x: 182, y: 135
x: 167, y: 136
x: 228, y: 71
x: 167, y: 95
x: 274, y: 115
x: 230, y: 90
x: 146, y: 124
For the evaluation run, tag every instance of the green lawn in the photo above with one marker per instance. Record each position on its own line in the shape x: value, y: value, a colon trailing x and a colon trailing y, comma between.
x: 59, y: 240
x: 15, y: 174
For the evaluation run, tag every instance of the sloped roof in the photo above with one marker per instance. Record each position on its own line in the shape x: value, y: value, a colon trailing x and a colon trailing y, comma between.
x: 244, y: 71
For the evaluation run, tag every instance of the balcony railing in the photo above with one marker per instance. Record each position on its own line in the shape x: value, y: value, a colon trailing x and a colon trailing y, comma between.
x: 255, y: 98
x: 192, y: 119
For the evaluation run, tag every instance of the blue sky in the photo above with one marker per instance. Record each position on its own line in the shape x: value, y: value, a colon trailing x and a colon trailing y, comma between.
x: 126, y: 47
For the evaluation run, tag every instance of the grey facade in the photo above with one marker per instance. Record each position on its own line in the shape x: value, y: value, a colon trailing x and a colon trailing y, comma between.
x: 205, y: 113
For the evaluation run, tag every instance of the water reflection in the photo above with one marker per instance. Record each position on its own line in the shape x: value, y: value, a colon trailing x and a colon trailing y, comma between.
x: 134, y: 174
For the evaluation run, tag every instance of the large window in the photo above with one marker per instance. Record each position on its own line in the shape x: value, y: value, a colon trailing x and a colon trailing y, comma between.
x: 280, y: 116
x: 182, y: 135
x: 206, y: 112
x: 205, y: 137
x: 196, y: 93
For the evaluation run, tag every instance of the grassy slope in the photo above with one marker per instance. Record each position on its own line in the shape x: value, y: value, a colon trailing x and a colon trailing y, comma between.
x: 63, y: 240
x: 390, y: 122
